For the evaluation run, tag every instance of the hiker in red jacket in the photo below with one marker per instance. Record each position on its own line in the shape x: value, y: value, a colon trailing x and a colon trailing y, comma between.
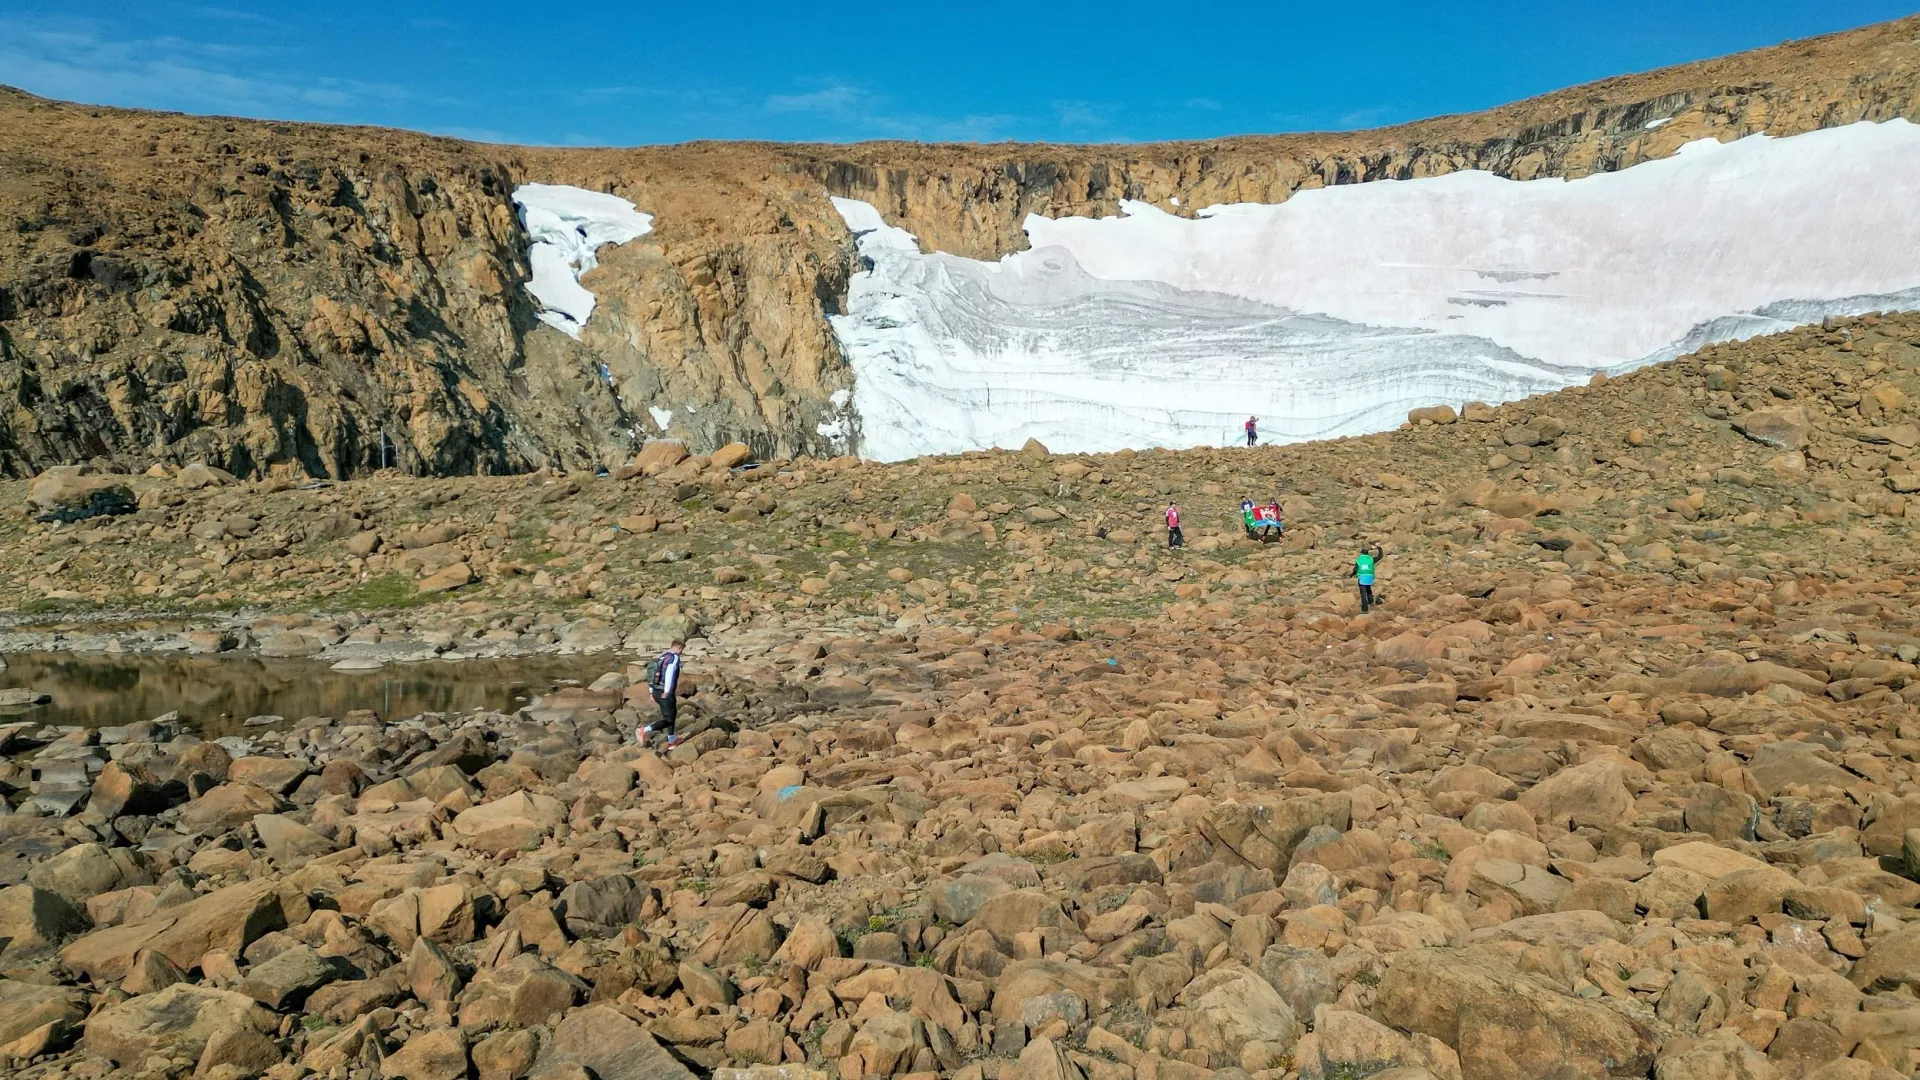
x: 1174, y: 539
x: 1253, y: 430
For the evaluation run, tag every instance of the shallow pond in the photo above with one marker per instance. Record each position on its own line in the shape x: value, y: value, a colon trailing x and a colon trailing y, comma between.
x: 216, y: 694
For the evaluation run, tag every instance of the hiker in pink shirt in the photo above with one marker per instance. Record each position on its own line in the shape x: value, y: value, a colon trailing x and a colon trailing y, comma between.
x: 1174, y: 539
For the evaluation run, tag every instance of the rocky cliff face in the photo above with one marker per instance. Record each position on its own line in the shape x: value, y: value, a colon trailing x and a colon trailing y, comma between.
x: 321, y: 300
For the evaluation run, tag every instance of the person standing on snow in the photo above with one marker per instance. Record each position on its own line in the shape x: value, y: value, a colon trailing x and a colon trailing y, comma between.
x: 663, y: 684
x: 1362, y: 571
x: 1174, y: 539
x: 1253, y: 430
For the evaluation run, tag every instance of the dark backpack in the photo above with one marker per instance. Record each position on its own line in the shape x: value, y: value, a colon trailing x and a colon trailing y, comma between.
x: 657, y: 676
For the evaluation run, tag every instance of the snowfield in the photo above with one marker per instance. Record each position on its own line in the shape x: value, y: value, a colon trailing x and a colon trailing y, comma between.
x: 1337, y: 311
x: 565, y: 228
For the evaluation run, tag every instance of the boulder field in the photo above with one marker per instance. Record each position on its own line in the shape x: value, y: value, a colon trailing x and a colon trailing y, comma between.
x: 979, y: 780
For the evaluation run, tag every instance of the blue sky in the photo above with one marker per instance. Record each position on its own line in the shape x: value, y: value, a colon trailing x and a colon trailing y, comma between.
x: 604, y: 73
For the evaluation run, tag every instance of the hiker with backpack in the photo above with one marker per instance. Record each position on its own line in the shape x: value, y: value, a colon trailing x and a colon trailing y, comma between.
x: 1174, y: 537
x: 663, y: 684
x: 1253, y: 430
x: 1362, y: 571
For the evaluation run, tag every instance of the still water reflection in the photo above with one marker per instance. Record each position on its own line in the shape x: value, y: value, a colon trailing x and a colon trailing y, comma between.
x: 217, y: 694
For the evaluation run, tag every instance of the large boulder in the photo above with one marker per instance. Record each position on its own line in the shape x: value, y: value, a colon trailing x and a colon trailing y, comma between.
x: 1233, y: 1007
x: 123, y: 790
x: 1507, y: 1024
x: 288, y: 842
x: 1531, y: 890
x: 732, y: 455
x: 660, y: 455
x: 1892, y: 962
x: 33, y: 1018
x: 1722, y: 814
x: 176, y: 1022
x: 1304, y: 978
x: 1591, y: 794
x: 1785, y: 428
x: 660, y: 631
x: 33, y: 921
x: 522, y: 992
x: 1011, y: 914
x: 1264, y: 834
x: 1779, y: 765
x: 73, y: 487
x: 437, y: 1054
x: 278, y: 775
x: 1710, y: 861
x: 88, y: 870
x: 1722, y: 1055
x: 959, y: 899
x: 599, y: 908
x: 287, y: 977
x: 886, y: 1042
x: 201, y: 475
x: 1349, y: 1044
x: 227, y: 919
x: 512, y: 822
x: 1733, y: 680
x: 1024, y: 980
x: 608, y: 1044
x: 227, y: 807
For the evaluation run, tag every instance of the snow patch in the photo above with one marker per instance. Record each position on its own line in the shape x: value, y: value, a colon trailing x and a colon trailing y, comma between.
x: 1336, y: 311
x: 840, y: 398
x: 565, y: 228
x: 661, y: 417
x: 1654, y: 125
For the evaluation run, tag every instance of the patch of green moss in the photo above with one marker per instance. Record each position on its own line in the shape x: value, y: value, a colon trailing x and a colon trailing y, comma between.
x: 384, y: 592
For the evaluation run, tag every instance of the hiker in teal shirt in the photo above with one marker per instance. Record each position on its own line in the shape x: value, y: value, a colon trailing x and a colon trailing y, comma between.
x: 1362, y: 570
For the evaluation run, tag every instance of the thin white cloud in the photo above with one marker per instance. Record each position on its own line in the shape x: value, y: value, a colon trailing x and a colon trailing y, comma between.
x: 78, y: 61
x: 848, y: 112
x: 1079, y: 114
x: 208, y: 11
x: 95, y: 61
x: 838, y: 99
x: 1370, y: 116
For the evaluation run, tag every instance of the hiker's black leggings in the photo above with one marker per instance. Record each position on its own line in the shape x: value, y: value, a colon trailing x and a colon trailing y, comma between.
x: 669, y: 714
x: 1366, y: 598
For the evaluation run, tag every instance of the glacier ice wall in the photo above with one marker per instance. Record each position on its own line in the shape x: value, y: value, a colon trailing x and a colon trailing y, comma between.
x: 1336, y: 311
x: 565, y: 228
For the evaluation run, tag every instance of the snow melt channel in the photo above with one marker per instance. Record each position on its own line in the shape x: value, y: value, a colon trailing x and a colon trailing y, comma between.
x: 1337, y: 311
x: 565, y: 227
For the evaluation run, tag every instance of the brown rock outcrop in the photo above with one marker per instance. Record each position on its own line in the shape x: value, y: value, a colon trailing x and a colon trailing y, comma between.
x: 384, y: 321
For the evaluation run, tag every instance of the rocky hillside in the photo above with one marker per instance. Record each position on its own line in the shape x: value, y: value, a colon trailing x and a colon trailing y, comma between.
x: 981, y: 781
x: 320, y: 301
